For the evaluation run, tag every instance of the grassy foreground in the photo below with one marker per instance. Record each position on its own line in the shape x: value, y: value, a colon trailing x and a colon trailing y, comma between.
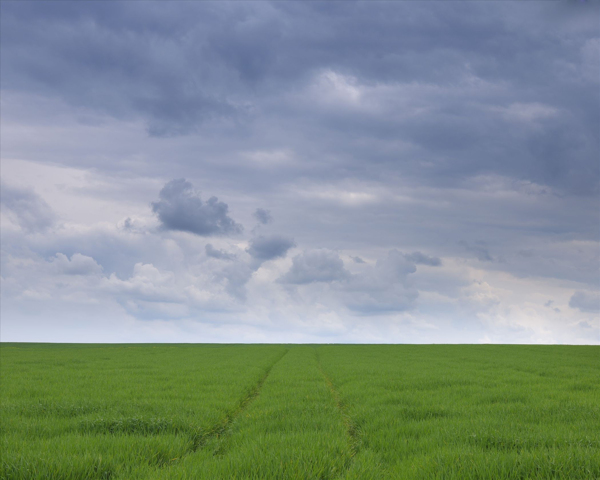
x: 302, y: 412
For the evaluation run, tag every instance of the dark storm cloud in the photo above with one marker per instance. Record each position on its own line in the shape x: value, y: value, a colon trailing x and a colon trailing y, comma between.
x: 181, y: 208
x: 263, y: 216
x: 26, y: 208
x: 115, y: 59
x: 216, y: 253
x: 269, y: 247
x: 586, y: 301
x: 422, y: 259
x: 469, y: 88
x: 315, y: 266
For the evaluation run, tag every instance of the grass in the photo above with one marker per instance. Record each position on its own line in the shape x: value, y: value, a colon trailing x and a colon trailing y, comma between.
x: 299, y: 412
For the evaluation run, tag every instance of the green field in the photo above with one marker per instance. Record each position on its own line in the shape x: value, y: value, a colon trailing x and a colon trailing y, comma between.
x: 297, y: 411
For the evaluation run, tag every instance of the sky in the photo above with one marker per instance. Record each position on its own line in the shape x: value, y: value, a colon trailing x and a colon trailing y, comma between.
x: 362, y: 172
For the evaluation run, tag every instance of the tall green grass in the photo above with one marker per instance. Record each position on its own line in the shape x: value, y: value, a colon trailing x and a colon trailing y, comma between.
x: 481, y: 412
x: 292, y: 429
x: 108, y: 411
x: 299, y: 412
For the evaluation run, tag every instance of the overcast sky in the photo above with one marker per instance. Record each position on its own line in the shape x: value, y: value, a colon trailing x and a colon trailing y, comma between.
x: 300, y: 171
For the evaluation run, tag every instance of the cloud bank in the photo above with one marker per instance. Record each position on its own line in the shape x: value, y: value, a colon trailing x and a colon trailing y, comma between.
x: 432, y: 169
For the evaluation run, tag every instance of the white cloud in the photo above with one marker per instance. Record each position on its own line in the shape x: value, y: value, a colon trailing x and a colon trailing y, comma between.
x: 332, y: 88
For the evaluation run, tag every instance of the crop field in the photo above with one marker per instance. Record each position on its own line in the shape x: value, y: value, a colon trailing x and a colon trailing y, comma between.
x: 299, y: 412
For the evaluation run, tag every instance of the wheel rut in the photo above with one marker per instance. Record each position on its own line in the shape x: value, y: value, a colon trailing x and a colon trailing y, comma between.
x: 201, y: 438
x: 352, y: 430
x: 218, y: 429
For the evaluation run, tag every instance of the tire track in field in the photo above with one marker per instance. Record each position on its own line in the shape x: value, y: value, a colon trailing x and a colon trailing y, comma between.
x: 218, y: 429
x: 352, y: 430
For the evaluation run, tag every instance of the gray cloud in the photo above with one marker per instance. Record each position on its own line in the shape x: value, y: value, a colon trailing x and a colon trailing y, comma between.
x: 236, y: 276
x: 428, y: 124
x: 478, y: 249
x: 430, y: 79
x: 422, y: 259
x: 392, y: 299
x: 119, y: 49
x: 238, y: 273
x: 263, y: 216
x: 216, y: 253
x: 27, y: 208
x: 549, y: 305
x: 395, y: 266
x: 375, y: 290
x: 78, y: 264
x: 315, y: 266
x: 180, y: 208
x: 586, y: 301
x: 384, y: 288
x: 269, y: 247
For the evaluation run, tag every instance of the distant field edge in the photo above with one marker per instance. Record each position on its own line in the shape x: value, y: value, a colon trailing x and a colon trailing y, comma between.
x: 166, y: 344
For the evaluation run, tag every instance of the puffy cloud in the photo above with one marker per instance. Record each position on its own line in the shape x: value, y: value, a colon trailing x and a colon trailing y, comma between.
x: 182, y: 286
x: 181, y: 208
x: 238, y: 273
x: 147, y: 284
x: 316, y: 266
x: 264, y: 248
x: 78, y: 264
x: 375, y: 290
x: 27, y: 208
x: 263, y: 216
x: 586, y: 301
